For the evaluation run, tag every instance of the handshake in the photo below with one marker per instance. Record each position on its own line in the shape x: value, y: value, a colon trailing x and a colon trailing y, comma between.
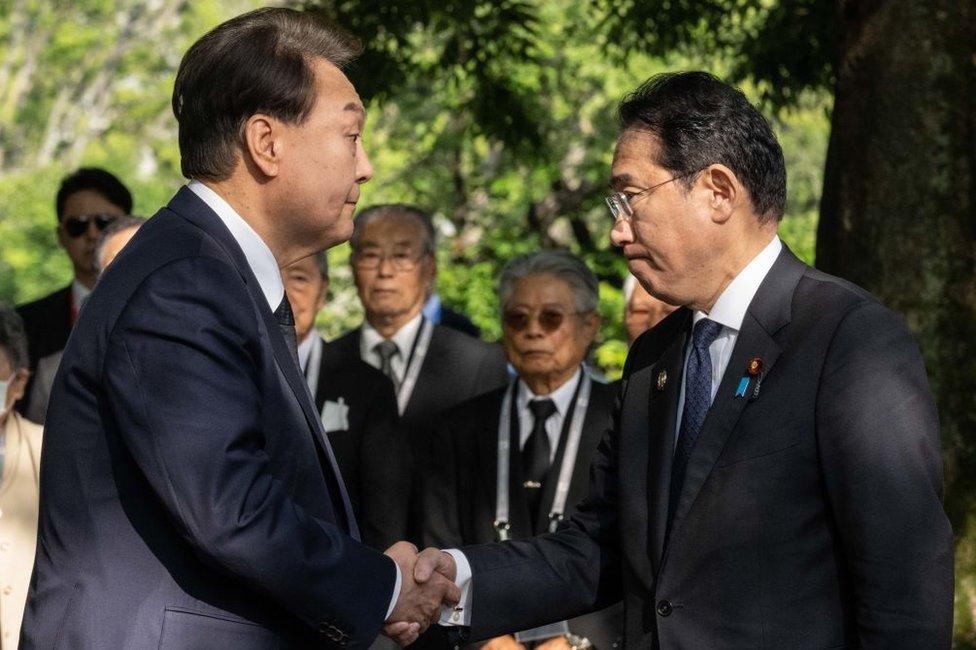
x: 427, y: 586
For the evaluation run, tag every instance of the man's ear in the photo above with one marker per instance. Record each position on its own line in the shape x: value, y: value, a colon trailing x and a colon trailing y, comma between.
x: 592, y: 324
x: 262, y: 143
x: 723, y: 191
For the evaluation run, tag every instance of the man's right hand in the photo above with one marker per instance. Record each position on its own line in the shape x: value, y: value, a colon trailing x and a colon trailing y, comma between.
x: 420, y: 601
x: 506, y: 642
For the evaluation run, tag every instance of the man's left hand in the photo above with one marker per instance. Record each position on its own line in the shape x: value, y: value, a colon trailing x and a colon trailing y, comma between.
x: 555, y: 643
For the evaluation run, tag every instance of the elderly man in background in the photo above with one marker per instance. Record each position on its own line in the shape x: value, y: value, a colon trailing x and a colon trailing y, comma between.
x: 545, y: 426
x: 20, y: 455
x: 359, y: 412
x: 110, y: 242
x: 642, y: 311
x: 432, y: 367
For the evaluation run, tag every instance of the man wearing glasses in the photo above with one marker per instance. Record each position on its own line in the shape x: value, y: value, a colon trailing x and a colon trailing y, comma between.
x: 87, y: 202
x: 432, y: 367
x: 772, y: 477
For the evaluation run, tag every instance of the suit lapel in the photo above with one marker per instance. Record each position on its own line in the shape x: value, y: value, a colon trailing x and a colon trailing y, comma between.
x: 665, y: 379
x: 769, y: 311
x: 191, y: 207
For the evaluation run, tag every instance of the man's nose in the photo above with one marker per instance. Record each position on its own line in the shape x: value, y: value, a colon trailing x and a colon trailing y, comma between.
x: 622, y: 233
x: 364, y: 168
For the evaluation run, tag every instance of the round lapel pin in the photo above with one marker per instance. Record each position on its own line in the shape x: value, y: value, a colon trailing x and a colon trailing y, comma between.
x: 662, y: 379
x: 755, y: 366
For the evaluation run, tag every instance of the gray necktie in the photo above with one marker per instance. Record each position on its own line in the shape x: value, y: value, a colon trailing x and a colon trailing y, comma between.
x: 386, y: 351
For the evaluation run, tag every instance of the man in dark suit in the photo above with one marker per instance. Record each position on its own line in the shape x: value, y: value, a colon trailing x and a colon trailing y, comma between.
x: 190, y: 498
x: 88, y: 200
x: 551, y: 419
x: 357, y: 406
x: 432, y: 367
x: 772, y: 478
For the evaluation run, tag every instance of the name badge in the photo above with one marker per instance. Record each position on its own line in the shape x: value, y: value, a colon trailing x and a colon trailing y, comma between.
x: 335, y: 416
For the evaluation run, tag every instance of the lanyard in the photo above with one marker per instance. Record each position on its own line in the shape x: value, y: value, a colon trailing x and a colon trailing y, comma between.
x: 314, y: 365
x: 420, y: 345
x: 502, y: 523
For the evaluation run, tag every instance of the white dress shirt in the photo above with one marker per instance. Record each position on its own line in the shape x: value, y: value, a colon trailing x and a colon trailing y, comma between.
x: 79, y: 294
x: 561, y: 397
x: 265, y: 268
x: 305, y: 350
x: 259, y: 257
x: 369, y: 338
x: 729, y: 310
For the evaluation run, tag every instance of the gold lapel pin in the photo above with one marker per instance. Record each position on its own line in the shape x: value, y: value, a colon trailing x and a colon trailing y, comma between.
x: 662, y: 379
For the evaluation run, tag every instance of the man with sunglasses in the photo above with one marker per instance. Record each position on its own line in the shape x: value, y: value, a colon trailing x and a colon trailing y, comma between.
x: 88, y: 200
x: 432, y: 367
x: 772, y: 477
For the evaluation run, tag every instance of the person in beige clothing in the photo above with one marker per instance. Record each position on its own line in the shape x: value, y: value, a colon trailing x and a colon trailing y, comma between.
x: 20, y: 455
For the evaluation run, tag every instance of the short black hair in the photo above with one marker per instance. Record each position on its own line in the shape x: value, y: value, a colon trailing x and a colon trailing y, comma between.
x: 128, y: 222
x: 97, y: 180
x: 257, y: 62
x: 700, y: 120
x: 13, y: 339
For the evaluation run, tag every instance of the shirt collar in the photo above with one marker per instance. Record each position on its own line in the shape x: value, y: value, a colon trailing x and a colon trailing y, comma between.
x: 79, y: 293
x: 404, y: 337
x: 305, y: 349
x: 731, y: 307
x: 562, y: 396
x: 259, y: 257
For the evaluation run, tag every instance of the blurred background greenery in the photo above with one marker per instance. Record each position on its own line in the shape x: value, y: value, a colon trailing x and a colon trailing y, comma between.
x: 498, y: 117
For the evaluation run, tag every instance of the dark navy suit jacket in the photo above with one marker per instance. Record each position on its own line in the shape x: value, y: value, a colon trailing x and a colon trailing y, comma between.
x: 189, y: 498
x: 810, y: 515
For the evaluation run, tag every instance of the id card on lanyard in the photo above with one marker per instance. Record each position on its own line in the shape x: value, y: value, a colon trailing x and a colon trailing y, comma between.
x: 414, y: 363
x: 502, y: 523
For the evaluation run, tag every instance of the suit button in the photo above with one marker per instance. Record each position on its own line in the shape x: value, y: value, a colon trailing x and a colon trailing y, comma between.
x: 664, y: 608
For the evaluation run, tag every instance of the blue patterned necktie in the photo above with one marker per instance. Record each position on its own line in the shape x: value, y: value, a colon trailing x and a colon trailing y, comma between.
x: 698, y: 399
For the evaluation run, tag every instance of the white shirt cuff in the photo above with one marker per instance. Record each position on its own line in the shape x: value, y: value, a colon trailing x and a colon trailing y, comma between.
x: 461, y: 614
x: 396, y: 592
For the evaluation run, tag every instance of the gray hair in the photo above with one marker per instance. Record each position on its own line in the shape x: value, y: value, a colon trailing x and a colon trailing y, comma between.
x: 13, y: 339
x: 561, y: 264
x: 120, y: 224
x: 396, y: 211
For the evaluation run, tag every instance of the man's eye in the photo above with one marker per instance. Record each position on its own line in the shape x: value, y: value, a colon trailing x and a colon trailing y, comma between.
x: 354, y: 137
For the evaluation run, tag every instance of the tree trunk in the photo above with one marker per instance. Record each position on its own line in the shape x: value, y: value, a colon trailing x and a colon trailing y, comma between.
x: 898, y: 213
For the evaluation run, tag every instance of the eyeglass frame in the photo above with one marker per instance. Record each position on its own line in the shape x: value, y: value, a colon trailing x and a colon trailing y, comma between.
x: 537, y: 317
x: 619, y: 202
x: 414, y: 261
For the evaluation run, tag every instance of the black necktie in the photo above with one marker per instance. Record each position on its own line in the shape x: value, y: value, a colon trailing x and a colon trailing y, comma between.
x: 286, y: 321
x: 535, y: 454
x: 698, y: 399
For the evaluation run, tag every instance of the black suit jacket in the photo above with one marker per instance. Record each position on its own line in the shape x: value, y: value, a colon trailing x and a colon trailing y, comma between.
x: 457, y: 367
x: 462, y: 477
x: 188, y: 494
x: 47, y: 323
x: 810, y: 516
x: 369, y: 450
x: 458, y: 321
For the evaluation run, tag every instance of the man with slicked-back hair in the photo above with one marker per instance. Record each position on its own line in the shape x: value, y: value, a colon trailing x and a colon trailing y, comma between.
x: 190, y: 495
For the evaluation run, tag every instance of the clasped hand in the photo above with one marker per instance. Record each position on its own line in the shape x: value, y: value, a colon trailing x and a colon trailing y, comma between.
x: 427, y: 585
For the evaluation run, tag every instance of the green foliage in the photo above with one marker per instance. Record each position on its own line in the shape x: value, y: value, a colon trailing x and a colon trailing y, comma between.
x: 498, y: 117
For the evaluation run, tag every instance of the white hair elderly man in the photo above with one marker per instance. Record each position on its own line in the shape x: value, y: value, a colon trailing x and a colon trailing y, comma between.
x: 551, y: 416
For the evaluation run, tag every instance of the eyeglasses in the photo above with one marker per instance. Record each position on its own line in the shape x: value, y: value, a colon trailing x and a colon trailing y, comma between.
x: 621, y: 203
x: 550, y: 320
x: 371, y: 259
x: 78, y: 226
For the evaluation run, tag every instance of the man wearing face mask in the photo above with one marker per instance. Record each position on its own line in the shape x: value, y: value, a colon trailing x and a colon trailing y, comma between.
x: 87, y: 202
x: 20, y: 455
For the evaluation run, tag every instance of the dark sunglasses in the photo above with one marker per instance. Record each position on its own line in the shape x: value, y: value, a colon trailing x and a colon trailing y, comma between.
x: 550, y: 320
x: 78, y: 226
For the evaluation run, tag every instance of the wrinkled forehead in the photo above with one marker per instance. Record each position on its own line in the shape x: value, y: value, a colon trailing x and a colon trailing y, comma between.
x: 540, y: 290
x: 392, y: 230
